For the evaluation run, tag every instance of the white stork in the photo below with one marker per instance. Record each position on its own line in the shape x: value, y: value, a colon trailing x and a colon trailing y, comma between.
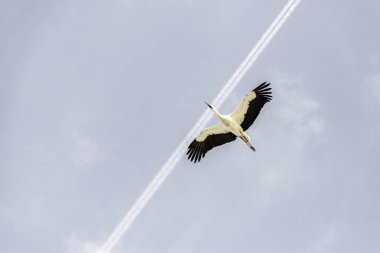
x: 232, y: 125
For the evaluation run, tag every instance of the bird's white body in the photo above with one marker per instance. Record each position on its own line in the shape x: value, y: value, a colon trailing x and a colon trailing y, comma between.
x: 232, y: 125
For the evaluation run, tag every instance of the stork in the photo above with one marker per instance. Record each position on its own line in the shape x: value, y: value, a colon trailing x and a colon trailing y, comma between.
x: 232, y: 125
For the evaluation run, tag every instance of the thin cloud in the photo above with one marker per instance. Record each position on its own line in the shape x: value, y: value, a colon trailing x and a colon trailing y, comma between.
x: 76, y: 245
x: 374, y: 83
x: 86, y: 151
x: 300, y: 111
x: 328, y: 238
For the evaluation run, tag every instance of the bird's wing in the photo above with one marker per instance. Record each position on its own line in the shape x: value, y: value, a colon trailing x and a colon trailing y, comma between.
x: 248, y: 109
x: 209, y: 138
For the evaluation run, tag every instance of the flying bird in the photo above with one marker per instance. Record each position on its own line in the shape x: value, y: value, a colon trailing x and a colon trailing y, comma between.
x: 232, y: 125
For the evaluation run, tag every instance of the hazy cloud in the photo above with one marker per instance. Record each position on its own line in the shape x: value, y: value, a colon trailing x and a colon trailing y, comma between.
x: 374, y: 84
x: 86, y: 151
x: 299, y: 110
x: 76, y: 245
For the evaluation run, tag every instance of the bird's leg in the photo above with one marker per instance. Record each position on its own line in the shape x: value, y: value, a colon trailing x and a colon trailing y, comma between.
x: 251, y: 147
x: 246, y: 141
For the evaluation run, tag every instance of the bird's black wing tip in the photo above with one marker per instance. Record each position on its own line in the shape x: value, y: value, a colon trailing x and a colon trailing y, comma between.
x: 195, y: 151
x: 262, y: 86
x: 264, y: 91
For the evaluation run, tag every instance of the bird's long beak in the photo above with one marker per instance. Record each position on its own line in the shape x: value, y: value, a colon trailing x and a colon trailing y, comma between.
x: 208, y: 105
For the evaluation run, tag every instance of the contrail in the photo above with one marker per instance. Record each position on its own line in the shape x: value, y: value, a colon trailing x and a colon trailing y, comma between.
x: 199, y: 125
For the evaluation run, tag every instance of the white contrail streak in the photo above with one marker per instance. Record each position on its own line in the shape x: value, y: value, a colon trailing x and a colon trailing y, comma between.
x: 199, y: 125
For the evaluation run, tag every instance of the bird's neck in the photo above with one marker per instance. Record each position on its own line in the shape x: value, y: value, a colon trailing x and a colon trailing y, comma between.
x: 223, y: 118
x: 220, y: 116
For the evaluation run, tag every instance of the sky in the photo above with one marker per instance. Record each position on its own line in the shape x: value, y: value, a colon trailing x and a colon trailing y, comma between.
x: 96, y: 95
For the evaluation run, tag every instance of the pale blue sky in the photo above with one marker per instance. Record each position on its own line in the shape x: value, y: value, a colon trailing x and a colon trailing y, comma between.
x: 95, y: 95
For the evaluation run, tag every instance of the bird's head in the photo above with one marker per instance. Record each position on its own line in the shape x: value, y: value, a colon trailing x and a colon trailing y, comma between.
x: 209, y: 105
